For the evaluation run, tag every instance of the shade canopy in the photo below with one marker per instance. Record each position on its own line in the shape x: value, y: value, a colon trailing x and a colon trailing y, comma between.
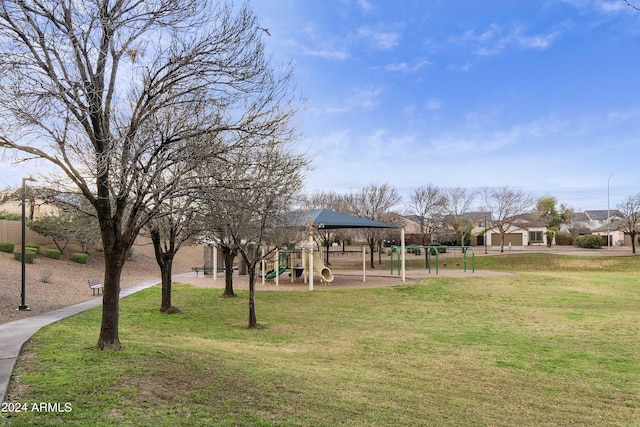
x: 328, y: 219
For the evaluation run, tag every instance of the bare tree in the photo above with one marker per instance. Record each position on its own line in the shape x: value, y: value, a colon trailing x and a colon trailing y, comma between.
x: 335, y: 202
x: 632, y: 5
x: 459, y: 201
x: 629, y: 222
x: 178, y: 223
x: 88, y: 86
x: 250, y: 201
x: 506, y: 205
x: 428, y: 204
x: 76, y: 219
x: 373, y: 202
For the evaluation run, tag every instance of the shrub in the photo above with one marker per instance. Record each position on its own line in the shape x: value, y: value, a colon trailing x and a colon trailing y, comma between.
x: 6, y: 247
x: 9, y: 216
x: 589, y: 241
x: 45, y: 276
x: 53, y: 254
x: 440, y: 250
x: 28, y: 256
x: 36, y: 246
x: 80, y: 257
x: 564, y: 239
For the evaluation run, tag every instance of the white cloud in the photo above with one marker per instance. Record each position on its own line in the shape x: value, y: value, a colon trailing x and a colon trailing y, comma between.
x: 319, y: 45
x: 610, y: 6
x: 537, y: 42
x: 495, y: 40
x: 364, y: 98
x: 365, y: 5
x: 605, y: 6
x: 463, y: 68
x: 406, y: 67
x: 434, y: 104
x: 382, y: 39
x: 326, y: 52
x: 450, y: 145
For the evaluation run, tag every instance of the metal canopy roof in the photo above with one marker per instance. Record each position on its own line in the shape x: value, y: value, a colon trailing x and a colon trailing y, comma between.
x: 328, y: 219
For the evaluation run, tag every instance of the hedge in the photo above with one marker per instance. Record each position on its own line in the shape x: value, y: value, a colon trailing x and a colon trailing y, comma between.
x: 35, y: 246
x: 589, y: 241
x: 80, y: 257
x: 28, y: 256
x: 53, y: 254
x: 7, y: 247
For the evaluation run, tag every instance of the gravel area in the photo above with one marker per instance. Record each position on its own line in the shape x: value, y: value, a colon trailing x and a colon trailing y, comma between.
x: 67, y: 284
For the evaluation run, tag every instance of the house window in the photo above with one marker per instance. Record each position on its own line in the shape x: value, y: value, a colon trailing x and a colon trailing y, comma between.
x: 535, y: 237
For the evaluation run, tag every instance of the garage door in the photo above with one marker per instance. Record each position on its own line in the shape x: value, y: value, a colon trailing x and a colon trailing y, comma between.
x: 514, y: 238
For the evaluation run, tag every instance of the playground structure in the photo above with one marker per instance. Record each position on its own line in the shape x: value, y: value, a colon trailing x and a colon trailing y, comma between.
x: 309, y: 262
x: 310, y: 259
x: 326, y: 276
x: 451, y: 256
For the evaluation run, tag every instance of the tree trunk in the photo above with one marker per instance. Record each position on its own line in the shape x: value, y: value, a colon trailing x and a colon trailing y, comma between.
x: 165, y: 270
x: 228, y: 255
x: 165, y: 262
x: 326, y: 256
x: 633, y: 243
x: 372, y: 246
x: 109, y: 335
x: 253, y: 323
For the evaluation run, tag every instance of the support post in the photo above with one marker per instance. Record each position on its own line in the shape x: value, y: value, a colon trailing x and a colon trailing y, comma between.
x: 310, y: 263
x: 276, y: 267
x: 23, y: 296
x: 364, y: 264
x: 263, y: 265
x: 215, y: 262
x: 402, y: 252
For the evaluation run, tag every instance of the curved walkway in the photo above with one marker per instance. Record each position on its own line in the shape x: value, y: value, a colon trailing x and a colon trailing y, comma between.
x: 14, y: 335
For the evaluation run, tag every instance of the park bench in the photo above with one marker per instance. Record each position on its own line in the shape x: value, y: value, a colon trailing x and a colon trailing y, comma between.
x: 95, y: 285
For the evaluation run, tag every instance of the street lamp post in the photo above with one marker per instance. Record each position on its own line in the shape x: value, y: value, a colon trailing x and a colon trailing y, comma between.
x: 608, y: 216
x: 23, y: 296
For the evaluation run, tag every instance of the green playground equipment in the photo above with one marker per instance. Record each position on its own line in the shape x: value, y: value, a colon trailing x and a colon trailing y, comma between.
x: 271, y: 274
x: 436, y: 251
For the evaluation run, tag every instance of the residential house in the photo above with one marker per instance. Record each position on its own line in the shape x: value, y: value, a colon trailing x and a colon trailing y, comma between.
x: 527, y: 230
x: 601, y: 222
x: 476, y: 223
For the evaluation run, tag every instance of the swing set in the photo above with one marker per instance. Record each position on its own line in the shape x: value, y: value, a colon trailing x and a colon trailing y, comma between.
x: 449, y: 255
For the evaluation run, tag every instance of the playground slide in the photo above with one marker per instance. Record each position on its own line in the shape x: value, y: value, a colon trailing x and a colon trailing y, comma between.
x: 271, y: 274
x: 318, y: 265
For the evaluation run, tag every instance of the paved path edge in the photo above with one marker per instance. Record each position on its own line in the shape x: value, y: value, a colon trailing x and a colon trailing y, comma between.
x: 14, y: 335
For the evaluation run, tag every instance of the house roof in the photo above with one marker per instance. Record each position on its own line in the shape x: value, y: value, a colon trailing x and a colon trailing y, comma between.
x: 601, y: 214
x: 614, y: 225
x: 477, y: 216
x: 328, y: 219
x: 531, y: 219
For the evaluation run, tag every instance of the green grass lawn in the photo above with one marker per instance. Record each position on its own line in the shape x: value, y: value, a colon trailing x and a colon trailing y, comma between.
x: 531, y: 262
x: 534, y: 348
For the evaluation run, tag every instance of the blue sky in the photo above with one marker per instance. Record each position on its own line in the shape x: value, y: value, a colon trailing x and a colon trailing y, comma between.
x: 538, y: 95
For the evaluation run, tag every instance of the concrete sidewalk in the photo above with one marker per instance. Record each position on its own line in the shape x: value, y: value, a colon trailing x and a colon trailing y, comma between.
x: 14, y: 335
